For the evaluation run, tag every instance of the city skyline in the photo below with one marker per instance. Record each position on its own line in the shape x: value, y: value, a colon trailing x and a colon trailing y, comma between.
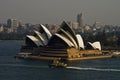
x: 54, y: 12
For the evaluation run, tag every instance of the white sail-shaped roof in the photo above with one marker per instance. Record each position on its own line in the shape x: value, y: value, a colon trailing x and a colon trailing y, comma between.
x: 46, y: 31
x: 91, y: 45
x: 68, y: 42
x: 95, y: 45
x: 80, y: 41
x: 69, y: 30
x: 35, y: 40
x: 40, y: 37
x: 45, y: 34
x: 68, y: 36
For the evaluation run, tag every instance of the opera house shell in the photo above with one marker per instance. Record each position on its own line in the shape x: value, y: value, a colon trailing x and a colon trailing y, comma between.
x: 64, y: 44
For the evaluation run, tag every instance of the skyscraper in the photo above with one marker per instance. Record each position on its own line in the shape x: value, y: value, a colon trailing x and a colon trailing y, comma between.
x: 12, y: 24
x: 80, y: 20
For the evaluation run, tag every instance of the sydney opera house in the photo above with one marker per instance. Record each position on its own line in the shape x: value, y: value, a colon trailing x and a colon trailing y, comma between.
x: 64, y: 44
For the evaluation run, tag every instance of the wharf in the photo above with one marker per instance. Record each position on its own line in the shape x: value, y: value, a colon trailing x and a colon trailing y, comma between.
x: 38, y: 57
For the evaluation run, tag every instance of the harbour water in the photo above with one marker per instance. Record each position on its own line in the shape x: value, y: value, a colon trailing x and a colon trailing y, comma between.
x: 23, y: 69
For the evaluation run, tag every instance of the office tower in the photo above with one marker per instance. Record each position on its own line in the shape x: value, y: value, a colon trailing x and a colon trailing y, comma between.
x: 12, y: 24
x: 80, y: 20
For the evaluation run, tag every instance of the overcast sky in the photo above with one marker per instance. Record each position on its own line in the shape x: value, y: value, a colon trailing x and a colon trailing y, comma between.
x: 54, y: 11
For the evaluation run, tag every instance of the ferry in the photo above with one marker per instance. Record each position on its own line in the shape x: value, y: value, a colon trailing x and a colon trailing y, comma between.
x: 57, y: 63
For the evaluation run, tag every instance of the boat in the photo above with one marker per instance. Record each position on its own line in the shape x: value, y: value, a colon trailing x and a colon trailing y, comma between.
x: 57, y: 64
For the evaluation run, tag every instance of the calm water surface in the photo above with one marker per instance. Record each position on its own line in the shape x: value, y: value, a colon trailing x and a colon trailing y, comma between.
x: 19, y: 69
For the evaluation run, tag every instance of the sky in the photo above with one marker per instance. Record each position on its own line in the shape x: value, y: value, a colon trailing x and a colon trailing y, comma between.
x: 55, y: 11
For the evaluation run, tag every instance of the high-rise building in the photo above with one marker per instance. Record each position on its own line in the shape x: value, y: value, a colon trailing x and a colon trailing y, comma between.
x: 12, y: 23
x: 80, y: 20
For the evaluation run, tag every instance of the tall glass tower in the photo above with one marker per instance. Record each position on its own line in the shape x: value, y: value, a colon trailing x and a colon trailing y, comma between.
x: 80, y: 20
